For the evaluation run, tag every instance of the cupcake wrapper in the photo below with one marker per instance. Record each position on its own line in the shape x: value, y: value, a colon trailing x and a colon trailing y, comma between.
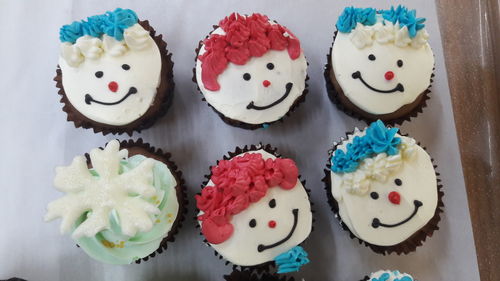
x: 410, y: 244
x: 365, y: 279
x: 163, y: 157
x: 241, y: 124
x: 161, y: 103
x: 264, y: 267
x: 334, y: 96
x: 246, y: 275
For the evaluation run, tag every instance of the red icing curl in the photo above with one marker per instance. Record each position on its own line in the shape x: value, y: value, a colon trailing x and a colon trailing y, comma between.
x: 238, y: 182
x: 245, y: 37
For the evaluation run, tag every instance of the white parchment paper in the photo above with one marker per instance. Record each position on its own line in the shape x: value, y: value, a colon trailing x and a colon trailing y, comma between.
x: 35, y: 138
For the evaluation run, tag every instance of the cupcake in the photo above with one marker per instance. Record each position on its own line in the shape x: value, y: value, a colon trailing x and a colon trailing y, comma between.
x: 114, y: 74
x: 122, y: 204
x: 388, y: 275
x: 247, y: 275
x: 251, y: 71
x: 255, y: 212
x: 380, y: 65
x: 384, y: 189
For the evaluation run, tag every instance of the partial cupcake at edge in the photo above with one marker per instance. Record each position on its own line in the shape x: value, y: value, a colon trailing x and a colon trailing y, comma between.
x: 251, y: 71
x: 383, y: 188
x: 122, y: 203
x: 380, y: 65
x: 388, y: 275
x: 114, y: 74
x: 255, y: 212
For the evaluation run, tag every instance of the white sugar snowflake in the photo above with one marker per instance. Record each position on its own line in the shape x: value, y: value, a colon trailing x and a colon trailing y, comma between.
x: 125, y: 193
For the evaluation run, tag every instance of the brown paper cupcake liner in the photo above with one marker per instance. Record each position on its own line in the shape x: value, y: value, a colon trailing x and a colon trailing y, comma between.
x: 140, y: 147
x: 159, y: 107
x: 338, y: 99
x: 246, y: 275
x: 237, y: 123
x: 263, y: 267
x: 410, y: 244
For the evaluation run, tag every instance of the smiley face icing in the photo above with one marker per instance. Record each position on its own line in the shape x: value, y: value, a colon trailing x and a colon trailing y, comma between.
x: 110, y: 67
x: 251, y: 70
x: 255, y: 210
x: 381, y: 60
x: 385, y: 185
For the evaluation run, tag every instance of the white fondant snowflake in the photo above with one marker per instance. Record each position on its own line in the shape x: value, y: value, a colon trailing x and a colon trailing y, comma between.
x: 124, y: 193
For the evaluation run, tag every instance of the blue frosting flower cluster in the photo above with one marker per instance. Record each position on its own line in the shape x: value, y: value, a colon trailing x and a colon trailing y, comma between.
x: 377, y: 139
x: 112, y: 23
x: 386, y: 276
x: 292, y: 260
x: 368, y: 16
x: 351, y: 16
x: 405, y: 17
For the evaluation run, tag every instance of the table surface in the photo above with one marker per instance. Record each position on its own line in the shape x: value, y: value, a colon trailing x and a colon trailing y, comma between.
x: 470, y: 33
x: 60, y: 141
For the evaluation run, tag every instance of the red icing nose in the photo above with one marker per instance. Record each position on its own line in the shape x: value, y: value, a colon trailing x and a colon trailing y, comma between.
x: 113, y: 86
x: 394, y: 197
x: 266, y: 83
x: 271, y: 224
x: 389, y: 75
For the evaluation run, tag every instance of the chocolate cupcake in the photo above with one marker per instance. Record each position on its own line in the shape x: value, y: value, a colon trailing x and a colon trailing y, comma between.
x: 255, y: 212
x: 380, y: 65
x: 384, y: 189
x: 251, y: 71
x: 247, y: 275
x: 122, y: 204
x: 388, y: 275
x: 114, y: 75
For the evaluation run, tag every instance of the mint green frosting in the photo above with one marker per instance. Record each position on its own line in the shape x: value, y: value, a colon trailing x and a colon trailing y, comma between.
x: 111, y: 246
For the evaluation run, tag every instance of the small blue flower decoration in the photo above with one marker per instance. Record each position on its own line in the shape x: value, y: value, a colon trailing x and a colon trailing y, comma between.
x: 343, y: 162
x: 94, y: 26
x: 377, y: 139
x: 112, y: 23
x: 71, y: 32
x: 351, y: 16
x: 117, y: 21
x: 383, y: 277
x: 382, y: 139
x: 405, y: 17
x: 292, y: 260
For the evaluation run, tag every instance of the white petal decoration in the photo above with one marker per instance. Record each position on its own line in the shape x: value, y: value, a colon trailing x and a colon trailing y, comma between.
x: 91, y: 47
x: 71, y: 54
x: 137, y: 38
x: 362, y: 36
x: 112, y: 46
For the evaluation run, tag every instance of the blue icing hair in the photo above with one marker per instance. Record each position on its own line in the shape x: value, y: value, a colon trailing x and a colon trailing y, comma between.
x: 405, y: 17
x: 377, y: 139
x: 111, y: 23
x: 292, y: 260
x: 368, y: 16
x: 351, y: 16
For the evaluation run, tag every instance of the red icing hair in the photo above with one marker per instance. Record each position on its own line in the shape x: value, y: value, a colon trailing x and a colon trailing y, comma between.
x: 245, y: 37
x: 238, y: 182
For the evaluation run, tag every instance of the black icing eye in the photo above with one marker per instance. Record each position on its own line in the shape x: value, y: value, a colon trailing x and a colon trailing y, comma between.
x: 371, y: 57
x: 252, y: 223
x: 99, y: 74
x: 270, y: 66
x: 272, y: 203
x: 400, y: 63
x: 398, y: 182
x: 374, y: 195
x: 247, y: 76
x: 125, y: 66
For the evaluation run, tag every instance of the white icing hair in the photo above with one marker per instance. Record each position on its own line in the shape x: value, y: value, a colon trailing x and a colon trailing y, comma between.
x: 386, y: 32
x: 377, y: 168
x: 135, y: 38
